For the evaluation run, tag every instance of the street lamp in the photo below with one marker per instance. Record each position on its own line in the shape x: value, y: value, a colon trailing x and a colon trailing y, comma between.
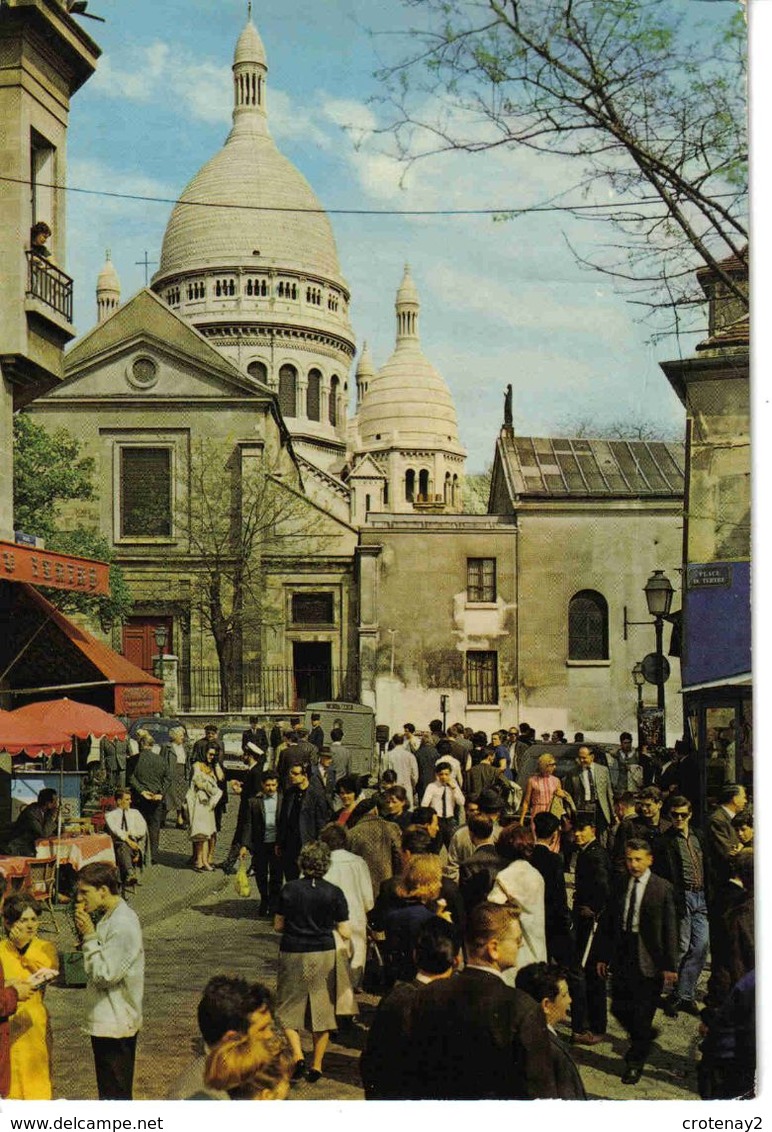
x: 659, y: 598
x: 639, y: 680
x: 160, y: 635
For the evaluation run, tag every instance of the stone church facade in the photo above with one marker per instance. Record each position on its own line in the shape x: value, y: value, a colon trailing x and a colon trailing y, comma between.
x: 241, y: 354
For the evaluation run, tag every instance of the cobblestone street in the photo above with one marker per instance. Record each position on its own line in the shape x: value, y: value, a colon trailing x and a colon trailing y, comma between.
x: 195, y: 926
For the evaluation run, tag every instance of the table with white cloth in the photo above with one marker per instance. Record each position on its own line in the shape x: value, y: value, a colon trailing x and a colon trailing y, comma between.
x: 78, y: 851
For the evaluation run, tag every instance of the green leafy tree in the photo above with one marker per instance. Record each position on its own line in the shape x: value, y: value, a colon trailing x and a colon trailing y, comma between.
x: 649, y: 109
x: 238, y: 519
x: 49, y: 470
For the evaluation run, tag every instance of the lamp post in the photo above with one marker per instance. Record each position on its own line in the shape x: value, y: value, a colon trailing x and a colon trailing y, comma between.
x: 160, y: 634
x: 639, y: 680
x: 659, y: 598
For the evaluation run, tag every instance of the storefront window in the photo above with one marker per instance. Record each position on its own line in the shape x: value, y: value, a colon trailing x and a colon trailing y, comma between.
x: 720, y: 745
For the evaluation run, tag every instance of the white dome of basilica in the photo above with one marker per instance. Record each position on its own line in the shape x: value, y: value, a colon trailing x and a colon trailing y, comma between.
x: 408, y: 401
x: 269, y: 215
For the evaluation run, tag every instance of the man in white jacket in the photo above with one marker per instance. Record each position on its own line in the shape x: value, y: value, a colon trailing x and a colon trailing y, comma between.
x: 114, y: 959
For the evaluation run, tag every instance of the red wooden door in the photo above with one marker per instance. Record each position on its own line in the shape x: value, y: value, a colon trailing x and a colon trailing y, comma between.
x: 139, y: 640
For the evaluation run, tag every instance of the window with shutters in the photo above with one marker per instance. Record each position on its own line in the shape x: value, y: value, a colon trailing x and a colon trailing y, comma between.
x: 145, y: 492
x: 588, y: 626
x: 482, y: 678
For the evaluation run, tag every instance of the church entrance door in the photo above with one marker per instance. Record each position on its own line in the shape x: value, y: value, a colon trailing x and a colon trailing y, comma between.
x: 312, y: 672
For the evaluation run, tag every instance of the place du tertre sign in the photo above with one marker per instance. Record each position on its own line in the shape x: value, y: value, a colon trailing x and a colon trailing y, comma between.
x: 47, y: 568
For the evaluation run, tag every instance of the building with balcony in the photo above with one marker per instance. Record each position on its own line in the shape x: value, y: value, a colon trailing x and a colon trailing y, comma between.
x: 45, y: 57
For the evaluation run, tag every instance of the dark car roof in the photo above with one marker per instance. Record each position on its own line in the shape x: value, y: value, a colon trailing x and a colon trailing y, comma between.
x: 156, y: 725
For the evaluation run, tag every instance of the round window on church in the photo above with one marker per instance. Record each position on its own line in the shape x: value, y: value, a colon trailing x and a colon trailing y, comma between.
x: 143, y: 372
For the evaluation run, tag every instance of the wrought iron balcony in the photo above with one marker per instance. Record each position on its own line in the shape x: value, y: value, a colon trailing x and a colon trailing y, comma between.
x: 49, y: 284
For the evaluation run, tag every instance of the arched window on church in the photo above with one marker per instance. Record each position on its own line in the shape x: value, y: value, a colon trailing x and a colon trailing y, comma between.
x: 409, y: 485
x: 288, y: 379
x: 313, y: 396
x: 588, y: 626
x: 454, y: 495
x: 423, y: 484
x: 258, y: 370
x: 447, y: 488
x: 334, y: 388
x: 386, y: 493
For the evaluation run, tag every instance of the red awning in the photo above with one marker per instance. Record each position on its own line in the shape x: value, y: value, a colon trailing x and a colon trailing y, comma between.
x: 136, y: 692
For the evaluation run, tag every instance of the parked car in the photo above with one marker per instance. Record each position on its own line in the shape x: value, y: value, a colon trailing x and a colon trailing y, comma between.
x: 159, y: 728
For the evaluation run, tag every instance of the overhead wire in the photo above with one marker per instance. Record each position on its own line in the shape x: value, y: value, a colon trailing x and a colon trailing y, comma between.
x: 502, y: 210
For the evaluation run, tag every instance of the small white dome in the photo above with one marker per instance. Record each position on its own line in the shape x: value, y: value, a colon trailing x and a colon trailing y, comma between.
x: 108, y: 280
x: 408, y: 292
x: 408, y: 402
x: 365, y: 367
x: 249, y: 48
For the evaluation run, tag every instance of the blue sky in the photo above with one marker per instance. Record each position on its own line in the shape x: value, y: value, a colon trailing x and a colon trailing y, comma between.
x: 500, y: 301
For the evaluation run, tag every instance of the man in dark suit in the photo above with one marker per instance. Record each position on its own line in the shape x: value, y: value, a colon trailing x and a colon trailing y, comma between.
x: 548, y: 986
x: 647, y: 824
x: 640, y: 944
x: 722, y: 844
x: 324, y: 774
x: 592, y: 890
x: 474, y: 1037
x: 316, y: 734
x: 258, y: 836
x: 302, y: 814
x: 387, y: 1063
x: 255, y: 737
x: 590, y: 787
x: 679, y: 857
x: 114, y: 753
x: 35, y: 821
x: 250, y: 787
x: 557, y: 918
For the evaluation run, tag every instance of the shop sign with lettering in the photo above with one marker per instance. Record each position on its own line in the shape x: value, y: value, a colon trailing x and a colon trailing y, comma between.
x: 47, y: 568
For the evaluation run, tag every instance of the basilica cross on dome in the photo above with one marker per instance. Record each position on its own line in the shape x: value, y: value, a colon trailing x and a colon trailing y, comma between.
x: 145, y: 263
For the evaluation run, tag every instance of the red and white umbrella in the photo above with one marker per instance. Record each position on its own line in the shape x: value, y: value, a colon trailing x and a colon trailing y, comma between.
x: 73, y: 717
x: 31, y: 737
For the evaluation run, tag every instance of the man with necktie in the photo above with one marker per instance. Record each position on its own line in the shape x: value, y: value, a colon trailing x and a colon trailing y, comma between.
x: 640, y: 946
x: 590, y: 788
x: 444, y: 795
x: 128, y: 830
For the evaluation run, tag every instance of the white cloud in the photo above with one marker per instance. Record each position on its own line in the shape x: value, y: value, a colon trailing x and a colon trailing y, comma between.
x: 532, y: 306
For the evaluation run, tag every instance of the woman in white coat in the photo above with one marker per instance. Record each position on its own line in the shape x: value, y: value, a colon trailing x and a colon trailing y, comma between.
x: 202, y: 798
x: 351, y: 874
x: 521, y: 883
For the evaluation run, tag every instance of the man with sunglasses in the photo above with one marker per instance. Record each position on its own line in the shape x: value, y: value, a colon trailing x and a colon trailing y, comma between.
x: 679, y: 856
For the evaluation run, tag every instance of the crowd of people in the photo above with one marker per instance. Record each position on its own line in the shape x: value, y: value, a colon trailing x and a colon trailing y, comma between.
x: 443, y: 886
